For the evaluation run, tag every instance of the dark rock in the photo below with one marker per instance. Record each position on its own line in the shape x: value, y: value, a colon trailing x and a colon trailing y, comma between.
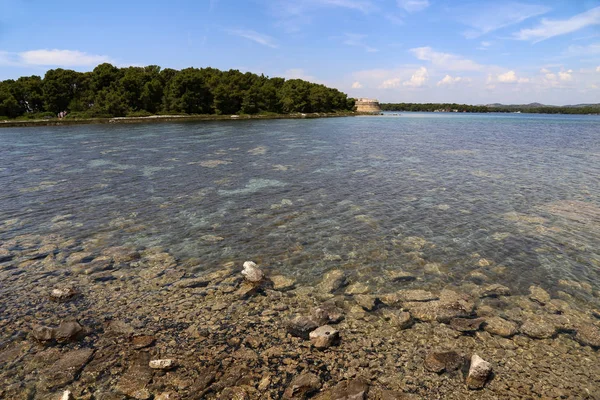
x: 400, y: 276
x: 466, y: 324
x: 479, y: 371
x: 355, y: 389
x: 43, y: 333
x: 142, y: 341
x: 67, y: 331
x: 302, y: 386
x: 439, y: 362
x: 301, y: 326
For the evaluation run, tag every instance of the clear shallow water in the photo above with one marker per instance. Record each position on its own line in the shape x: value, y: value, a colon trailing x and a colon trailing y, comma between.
x: 515, y: 197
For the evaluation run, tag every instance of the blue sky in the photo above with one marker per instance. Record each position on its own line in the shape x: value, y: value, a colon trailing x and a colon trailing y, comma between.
x: 396, y: 50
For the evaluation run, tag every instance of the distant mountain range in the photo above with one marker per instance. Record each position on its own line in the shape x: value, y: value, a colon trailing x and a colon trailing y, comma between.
x: 538, y: 105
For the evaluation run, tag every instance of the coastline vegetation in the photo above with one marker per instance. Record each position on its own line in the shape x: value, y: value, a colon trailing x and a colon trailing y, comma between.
x: 108, y: 91
x: 535, y: 108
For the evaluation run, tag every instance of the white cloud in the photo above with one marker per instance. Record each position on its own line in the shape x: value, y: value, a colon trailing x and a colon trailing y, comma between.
x: 413, y: 5
x: 449, y: 80
x: 550, y: 28
x: 54, y: 57
x: 357, y: 85
x: 391, y: 83
x: 550, y: 76
x: 254, y: 36
x: 598, y: 68
x: 445, y: 61
x: 566, y: 75
x: 491, y: 17
x: 582, y: 51
x: 508, y: 77
x: 418, y: 78
x: 358, y: 40
x: 298, y: 73
x: 545, y: 71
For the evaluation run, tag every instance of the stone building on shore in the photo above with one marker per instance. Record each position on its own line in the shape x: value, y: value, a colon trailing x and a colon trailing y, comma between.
x: 368, y: 106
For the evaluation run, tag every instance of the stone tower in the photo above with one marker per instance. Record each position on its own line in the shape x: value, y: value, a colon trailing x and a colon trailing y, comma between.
x: 368, y: 106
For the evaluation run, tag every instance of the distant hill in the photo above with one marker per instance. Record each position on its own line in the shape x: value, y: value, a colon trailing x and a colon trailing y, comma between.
x: 538, y: 105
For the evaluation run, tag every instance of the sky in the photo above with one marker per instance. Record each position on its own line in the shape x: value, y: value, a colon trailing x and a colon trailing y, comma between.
x: 474, y: 52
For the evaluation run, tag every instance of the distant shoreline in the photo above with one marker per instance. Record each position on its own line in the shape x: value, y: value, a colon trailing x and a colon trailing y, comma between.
x: 167, y: 118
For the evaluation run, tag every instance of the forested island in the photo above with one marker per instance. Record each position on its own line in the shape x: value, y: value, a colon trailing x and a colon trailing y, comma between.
x: 108, y: 91
x: 534, y: 108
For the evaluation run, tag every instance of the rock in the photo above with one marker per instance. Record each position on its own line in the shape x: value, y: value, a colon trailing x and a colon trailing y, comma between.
x: 118, y: 328
x: 63, y: 294
x: 416, y: 295
x: 332, y: 281
x: 43, y: 333
x: 499, y: 326
x: 538, y: 328
x: 67, y: 395
x: 328, y: 313
x: 164, y: 364
x: 479, y: 371
x: 301, y: 326
x: 192, y: 282
x: 400, y: 276
x: 397, y: 318
x: 142, y: 341
x: 538, y: 295
x: 282, y: 283
x: 252, y: 273
x: 302, y: 386
x: 451, y: 305
x: 167, y: 396
x: 439, y: 362
x: 589, y: 335
x: 66, y: 368
x: 357, y: 288
x: 466, y: 324
x: 365, y: 301
x: 494, y: 290
x: 134, y: 381
x: 324, y: 336
x: 68, y: 330
x: 355, y: 389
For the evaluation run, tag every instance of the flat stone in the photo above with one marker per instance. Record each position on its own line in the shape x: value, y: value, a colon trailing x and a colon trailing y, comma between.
x: 324, y: 337
x: 355, y: 389
x: 63, y: 294
x: 66, y: 369
x: 589, y: 335
x: 251, y: 272
x: 332, y: 281
x: 68, y: 330
x: 538, y: 328
x: 43, y: 333
x: 142, y: 341
x: 499, y: 326
x: 302, y: 386
x: 328, y: 313
x: 538, y: 295
x: 495, y: 290
x: 400, y: 276
x: 192, y: 282
x: 118, y: 328
x: 163, y: 364
x: 134, y: 381
x: 466, y: 324
x: 365, y: 301
x: 479, y: 372
x: 397, y: 318
x: 416, y: 295
x: 282, y: 283
x: 451, y: 305
x: 444, y: 361
x: 301, y: 326
x: 357, y: 288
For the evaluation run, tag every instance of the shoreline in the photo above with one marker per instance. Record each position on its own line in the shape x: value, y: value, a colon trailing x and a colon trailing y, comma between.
x: 169, y: 118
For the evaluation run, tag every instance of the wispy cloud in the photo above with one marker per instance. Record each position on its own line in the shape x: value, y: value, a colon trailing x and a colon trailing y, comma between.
x: 582, y: 51
x: 413, y: 5
x: 598, y: 68
x: 358, y: 40
x: 254, y: 36
x: 298, y: 73
x: 358, y: 85
x: 551, y: 28
x: 445, y: 61
x: 450, y: 80
x: 54, y: 58
x: 492, y: 17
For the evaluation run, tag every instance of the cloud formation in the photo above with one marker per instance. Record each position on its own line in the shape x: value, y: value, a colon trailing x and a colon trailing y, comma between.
x: 357, y: 85
x: 254, y: 36
x: 449, y: 80
x: 358, y: 40
x: 418, y: 78
x: 53, y: 58
x: 509, y: 77
x: 413, y: 5
x: 447, y: 61
x: 551, y: 28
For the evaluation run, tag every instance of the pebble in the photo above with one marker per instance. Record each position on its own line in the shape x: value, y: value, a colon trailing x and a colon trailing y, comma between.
x: 324, y: 337
x: 164, y: 364
x: 63, y: 294
x: 439, y: 362
x: 252, y: 273
x: 479, y: 372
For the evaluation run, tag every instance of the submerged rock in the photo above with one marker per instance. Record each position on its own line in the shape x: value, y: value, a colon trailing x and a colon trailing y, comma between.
x: 466, y: 324
x: 538, y: 295
x: 589, y: 335
x: 252, y: 273
x: 450, y: 305
x: 282, y: 283
x: 494, y: 290
x: 302, y: 386
x: 68, y: 330
x: 328, y: 313
x: 332, y: 281
x: 400, y: 276
x: 444, y: 361
x: 499, y: 326
x: 538, y: 328
x: 66, y: 369
x: 324, y: 337
x: 416, y: 295
x: 301, y: 326
x: 365, y: 301
x: 479, y: 371
x: 357, y: 288
x: 397, y: 318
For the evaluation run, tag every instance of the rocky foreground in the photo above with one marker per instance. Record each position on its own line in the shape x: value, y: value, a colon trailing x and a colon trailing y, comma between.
x: 121, y: 323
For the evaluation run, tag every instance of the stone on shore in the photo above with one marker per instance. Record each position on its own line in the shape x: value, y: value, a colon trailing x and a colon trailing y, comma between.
x: 444, y: 361
x: 332, y: 281
x: 324, y: 337
x: 68, y: 330
x: 163, y: 364
x: 282, y: 283
x: 494, y: 290
x: 538, y: 295
x: 499, y: 326
x: 302, y: 386
x: 301, y: 326
x: 67, y: 395
x: 479, y: 372
x: 355, y: 389
x: 252, y: 273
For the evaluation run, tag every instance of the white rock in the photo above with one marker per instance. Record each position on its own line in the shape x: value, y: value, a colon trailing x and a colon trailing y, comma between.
x: 67, y: 395
x: 166, y: 363
x: 324, y: 336
x: 478, y: 372
x: 251, y: 272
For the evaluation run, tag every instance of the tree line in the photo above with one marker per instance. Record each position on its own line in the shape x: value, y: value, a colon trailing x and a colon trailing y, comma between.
x: 450, y: 107
x: 108, y: 91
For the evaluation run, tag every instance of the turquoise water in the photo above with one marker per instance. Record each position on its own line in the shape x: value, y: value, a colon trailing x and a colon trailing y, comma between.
x: 513, y: 197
